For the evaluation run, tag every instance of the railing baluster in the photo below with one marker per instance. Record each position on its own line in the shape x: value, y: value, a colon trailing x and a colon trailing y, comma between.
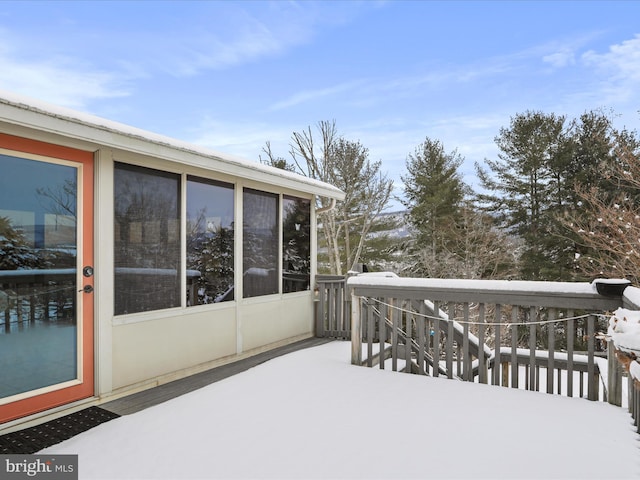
x: 515, y: 368
x: 371, y: 330
x: 559, y: 372
x: 331, y: 307
x: 452, y: 313
x: 321, y: 329
x: 356, y: 333
x: 421, y: 319
x: 383, y: 314
x: 339, y: 309
x: 614, y: 376
x: 630, y: 395
x: 436, y: 339
x: 394, y: 334
x: 408, y: 335
x: 482, y: 364
x: 497, y: 362
x: 467, y: 374
x: 533, y: 317
x: 570, y: 339
x: 592, y: 380
x: 551, y: 335
x: 346, y: 311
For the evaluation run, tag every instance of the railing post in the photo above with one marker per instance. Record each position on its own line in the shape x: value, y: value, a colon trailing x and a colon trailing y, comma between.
x: 614, y: 377
x: 356, y: 330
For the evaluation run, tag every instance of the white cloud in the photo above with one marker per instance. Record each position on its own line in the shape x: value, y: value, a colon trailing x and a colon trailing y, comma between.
x: 241, y: 139
x: 312, y: 95
x: 560, y: 59
x: 62, y: 80
x: 622, y: 61
x: 619, y: 70
x: 58, y: 83
x: 206, y: 51
x: 234, y: 36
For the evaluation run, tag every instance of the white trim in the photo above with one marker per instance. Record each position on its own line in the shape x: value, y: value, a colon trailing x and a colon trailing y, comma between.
x: 103, y: 270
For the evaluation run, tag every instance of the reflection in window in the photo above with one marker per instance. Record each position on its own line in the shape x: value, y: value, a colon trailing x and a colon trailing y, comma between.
x: 209, y: 241
x: 147, y: 239
x: 38, y: 202
x: 296, y: 244
x: 260, y: 243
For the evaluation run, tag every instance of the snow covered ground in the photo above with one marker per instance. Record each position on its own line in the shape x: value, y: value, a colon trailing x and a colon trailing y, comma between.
x: 310, y: 414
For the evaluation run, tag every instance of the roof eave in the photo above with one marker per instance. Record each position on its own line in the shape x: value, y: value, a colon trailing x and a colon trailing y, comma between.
x: 105, y: 133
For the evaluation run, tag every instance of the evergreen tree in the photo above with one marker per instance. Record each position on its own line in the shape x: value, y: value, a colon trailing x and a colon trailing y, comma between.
x: 211, y: 248
x: 434, y: 192
x: 383, y: 250
x: 15, y: 253
x: 529, y: 181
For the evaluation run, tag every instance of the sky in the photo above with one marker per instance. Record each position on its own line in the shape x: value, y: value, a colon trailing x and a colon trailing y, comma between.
x: 233, y: 75
x: 311, y: 414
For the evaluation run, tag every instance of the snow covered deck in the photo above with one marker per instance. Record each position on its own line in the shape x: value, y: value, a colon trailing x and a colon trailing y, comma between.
x: 311, y: 414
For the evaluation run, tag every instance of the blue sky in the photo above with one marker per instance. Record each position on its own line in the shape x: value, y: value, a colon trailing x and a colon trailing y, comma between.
x: 233, y: 75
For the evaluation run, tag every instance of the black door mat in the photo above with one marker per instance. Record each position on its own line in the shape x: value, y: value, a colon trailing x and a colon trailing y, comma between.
x: 33, y: 439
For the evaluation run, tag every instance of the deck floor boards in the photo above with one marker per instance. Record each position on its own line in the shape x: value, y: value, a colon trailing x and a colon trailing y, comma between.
x: 156, y: 395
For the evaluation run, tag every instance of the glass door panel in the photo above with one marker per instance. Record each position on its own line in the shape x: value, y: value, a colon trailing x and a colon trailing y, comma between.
x: 39, y: 327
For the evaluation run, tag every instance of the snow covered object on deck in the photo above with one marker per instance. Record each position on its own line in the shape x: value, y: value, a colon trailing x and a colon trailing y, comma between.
x: 624, y: 329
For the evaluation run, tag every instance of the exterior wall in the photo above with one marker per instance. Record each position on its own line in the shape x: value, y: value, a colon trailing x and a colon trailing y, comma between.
x: 265, y: 322
x: 143, y: 351
x: 140, y: 350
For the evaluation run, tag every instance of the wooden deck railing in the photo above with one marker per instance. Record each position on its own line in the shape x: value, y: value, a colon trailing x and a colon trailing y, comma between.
x: 332, y: 307
x: 542, y: 336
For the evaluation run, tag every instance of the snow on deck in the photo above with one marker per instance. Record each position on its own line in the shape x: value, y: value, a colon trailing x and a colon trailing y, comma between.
x: 311, y: 414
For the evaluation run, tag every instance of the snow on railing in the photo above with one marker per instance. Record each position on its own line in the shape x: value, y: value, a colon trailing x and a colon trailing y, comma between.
x: 549, y: 335
x: 624, y: 346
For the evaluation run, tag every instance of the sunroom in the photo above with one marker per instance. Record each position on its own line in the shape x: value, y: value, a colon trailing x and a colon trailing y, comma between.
x: 128, y: 259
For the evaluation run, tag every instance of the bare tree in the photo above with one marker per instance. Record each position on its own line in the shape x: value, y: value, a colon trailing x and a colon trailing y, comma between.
x: 345, y: 164
x: 474, y: 248
x: 608, y: 224
x: 272, y: 160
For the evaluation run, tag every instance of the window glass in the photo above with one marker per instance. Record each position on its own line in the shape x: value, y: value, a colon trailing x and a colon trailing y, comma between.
x: 209, y: 241
x: 296, y: 244
x: 260, y: 243
x: 147, y: 239
x: 39, y: 331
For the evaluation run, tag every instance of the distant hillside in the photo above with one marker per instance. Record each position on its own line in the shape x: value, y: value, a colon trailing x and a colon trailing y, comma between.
x: 399, y: 227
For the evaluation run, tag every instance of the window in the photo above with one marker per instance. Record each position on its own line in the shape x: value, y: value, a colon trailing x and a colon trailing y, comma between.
x: 260, y: 243
x: 210, y: 253
x: 147, y: 239
x: 296, y: 244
